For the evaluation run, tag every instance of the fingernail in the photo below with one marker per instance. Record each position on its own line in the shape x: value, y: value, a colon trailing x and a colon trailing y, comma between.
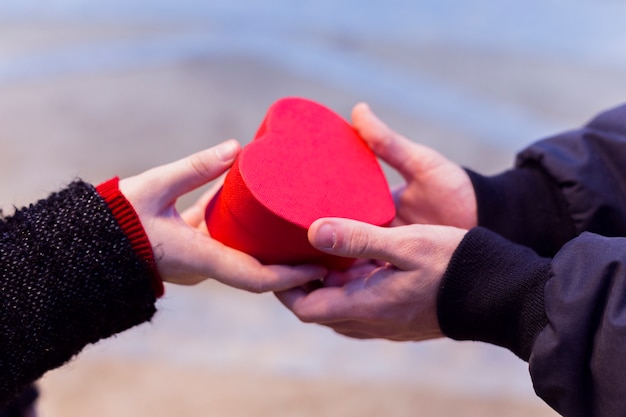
x: 326, y: 238
x: 227, y: 151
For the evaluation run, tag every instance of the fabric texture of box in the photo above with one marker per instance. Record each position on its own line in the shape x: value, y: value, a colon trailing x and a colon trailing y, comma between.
x: 306, y: 162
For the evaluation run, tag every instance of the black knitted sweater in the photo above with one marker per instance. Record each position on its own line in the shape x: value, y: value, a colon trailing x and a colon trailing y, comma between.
x: 69, y: 276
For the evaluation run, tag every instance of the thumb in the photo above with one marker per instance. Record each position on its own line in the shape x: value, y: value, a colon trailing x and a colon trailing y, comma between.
x: 393, y: 148
x: 354, y: 239
x: 187, y: 174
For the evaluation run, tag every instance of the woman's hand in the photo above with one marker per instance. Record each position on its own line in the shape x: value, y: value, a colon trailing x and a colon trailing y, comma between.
x: 184, y: 251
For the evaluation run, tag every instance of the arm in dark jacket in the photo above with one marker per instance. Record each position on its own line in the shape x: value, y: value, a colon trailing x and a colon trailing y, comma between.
x: 565, y: 315
x: 561, y: 187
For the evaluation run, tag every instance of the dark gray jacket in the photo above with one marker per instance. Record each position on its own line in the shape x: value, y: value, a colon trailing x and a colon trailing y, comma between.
x: 544, y: 274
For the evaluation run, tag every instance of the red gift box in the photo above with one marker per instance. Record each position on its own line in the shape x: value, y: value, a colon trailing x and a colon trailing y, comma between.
x: 305, y: 163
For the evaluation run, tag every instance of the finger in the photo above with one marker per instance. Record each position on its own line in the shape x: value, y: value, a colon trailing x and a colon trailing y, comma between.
x: 354, y: 239
x: 283, y: 277
x: 246, y: 273
x: 359, y: 269
x: 361, y: 330
x: 323, y: 306
x: 396, y: 194
x: 354, y: 334
x: 187, y: 174
x: 210, y: 258
x: 194, y: 215
x: 398, y: 151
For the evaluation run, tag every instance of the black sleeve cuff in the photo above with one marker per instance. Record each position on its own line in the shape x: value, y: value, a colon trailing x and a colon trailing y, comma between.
x: 493, y: 291
x: 525, y: 206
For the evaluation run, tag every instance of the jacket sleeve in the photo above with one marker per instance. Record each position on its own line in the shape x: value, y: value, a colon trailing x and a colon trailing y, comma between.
x: 565, y: 315
x: 69, y: 276
x: 550, y: 284
x: 561, y: 187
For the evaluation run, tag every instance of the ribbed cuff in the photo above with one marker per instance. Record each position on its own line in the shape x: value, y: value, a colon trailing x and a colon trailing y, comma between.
x: 525, y: 206
x: 493, y: 291
x: 129, y: 221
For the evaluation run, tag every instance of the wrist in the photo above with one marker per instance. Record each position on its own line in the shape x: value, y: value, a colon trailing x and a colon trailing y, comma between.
x: 129, y: 221
x: 493, y: 291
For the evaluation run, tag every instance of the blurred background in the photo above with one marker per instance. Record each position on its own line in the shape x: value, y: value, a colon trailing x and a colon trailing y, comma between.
x: 95, y: 89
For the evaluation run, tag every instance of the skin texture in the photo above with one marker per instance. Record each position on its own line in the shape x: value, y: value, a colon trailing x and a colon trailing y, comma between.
x: 184, y: 251
x: 391, y: 292
x: 436, y: 190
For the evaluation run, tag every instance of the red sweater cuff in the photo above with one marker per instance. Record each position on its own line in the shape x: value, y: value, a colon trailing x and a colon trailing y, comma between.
x: 129, y: 221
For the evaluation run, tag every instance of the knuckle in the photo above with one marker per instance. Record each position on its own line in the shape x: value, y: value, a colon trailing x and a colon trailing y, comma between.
x: 407, y: 244
x: 358, y: 243
x: 199, y: 166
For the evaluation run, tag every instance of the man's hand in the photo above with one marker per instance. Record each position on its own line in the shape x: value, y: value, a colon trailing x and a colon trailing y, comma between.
x: 437, y: 191
x: 392, y: 293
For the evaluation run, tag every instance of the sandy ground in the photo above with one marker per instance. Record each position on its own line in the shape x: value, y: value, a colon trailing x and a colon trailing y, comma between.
x: 118, y: 123
x: 121, y: 388
x: 216, y: 351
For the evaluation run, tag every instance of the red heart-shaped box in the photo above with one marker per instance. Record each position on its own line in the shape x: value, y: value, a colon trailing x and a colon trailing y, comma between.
x: 306, y: 162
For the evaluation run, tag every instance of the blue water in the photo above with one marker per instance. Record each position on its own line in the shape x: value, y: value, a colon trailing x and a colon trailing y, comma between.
x: 294, y: 37
x: 581, y: 30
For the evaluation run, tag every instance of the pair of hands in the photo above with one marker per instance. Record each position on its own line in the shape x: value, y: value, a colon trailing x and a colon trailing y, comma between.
x: 389, y: 293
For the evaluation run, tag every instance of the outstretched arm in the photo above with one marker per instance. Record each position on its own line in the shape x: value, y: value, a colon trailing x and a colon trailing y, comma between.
x: 78, y: 266
x: 563, y: 315
x: 184, y: 251
x: 560, y: 187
